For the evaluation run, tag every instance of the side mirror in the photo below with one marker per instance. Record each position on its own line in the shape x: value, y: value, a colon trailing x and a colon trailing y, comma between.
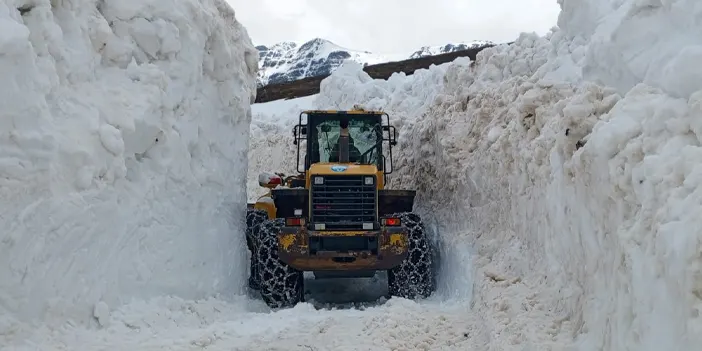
x: 269, y: 180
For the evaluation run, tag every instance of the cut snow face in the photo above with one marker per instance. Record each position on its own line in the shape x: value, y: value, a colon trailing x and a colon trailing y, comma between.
x: 628, y: 42
x: 124, y: 128
x: 575, y: 199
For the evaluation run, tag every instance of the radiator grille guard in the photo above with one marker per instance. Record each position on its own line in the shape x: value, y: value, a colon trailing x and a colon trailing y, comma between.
x: 343, y: 203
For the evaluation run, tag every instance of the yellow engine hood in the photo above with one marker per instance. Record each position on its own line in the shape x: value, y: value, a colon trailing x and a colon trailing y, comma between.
x: 343, y: 168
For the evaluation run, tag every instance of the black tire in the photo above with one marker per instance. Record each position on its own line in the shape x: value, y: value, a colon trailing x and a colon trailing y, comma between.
x: 254, y: 218
x: 414, y: 278
x: 281, y: 286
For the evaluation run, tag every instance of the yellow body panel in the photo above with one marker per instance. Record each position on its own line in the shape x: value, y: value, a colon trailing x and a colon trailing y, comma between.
x: 294, y: 249
x: 325, y: 168
x: 286, y: 241
x: 398, y: 243
x: 350, y: 112
x: 265, y: 203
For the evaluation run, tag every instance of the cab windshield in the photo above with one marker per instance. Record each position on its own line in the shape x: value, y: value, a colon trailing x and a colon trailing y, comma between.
x: 364, y: 134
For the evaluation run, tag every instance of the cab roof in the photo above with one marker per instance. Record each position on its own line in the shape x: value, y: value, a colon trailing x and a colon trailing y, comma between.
x: 342, y: 112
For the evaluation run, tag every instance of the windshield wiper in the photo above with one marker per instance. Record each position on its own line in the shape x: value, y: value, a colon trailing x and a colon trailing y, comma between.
x: 369, y: 151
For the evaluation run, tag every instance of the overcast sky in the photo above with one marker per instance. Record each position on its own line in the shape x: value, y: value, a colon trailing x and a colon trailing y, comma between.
x: 392, y: 26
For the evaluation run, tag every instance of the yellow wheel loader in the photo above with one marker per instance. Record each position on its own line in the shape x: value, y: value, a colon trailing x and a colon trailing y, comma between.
x: 335, y: 218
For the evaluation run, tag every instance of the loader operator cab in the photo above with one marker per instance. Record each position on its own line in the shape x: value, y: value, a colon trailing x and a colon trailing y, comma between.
x: 355, y: 137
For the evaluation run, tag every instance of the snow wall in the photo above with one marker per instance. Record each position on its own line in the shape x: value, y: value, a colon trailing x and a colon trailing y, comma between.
x: 571, y: 163
x: 123, y: 131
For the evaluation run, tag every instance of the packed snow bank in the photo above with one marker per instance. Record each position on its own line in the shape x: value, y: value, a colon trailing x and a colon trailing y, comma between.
x: 173, y: 324
x: 124, y: 131
x: 579, y: 201
x: 656, y: 42
x: 593, y: 186
x: 506, y: 301
x: 570, y: 163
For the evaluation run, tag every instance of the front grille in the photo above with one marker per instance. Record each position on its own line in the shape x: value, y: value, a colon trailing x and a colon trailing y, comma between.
x: 343, y: 203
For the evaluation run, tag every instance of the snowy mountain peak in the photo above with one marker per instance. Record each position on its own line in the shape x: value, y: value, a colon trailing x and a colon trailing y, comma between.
x: 284, y: 46
x: 444, y: 49
x: 289, y: 61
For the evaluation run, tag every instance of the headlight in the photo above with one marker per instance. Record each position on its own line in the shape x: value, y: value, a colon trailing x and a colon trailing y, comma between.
x: 318, y: 180
x: 369, y: 181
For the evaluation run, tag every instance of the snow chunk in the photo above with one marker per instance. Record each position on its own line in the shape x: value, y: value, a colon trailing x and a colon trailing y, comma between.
x: 14, y: 38
x: 265, y: 178
x: 111, y: 139
x: 101, y: 312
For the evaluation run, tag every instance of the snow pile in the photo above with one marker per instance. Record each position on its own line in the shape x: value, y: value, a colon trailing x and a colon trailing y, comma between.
x: 576, y: 184
x: 124, y: 130
x: 173, y: 324
x: 628, y: 42
x: 350, y: 85
x: 271, y: 146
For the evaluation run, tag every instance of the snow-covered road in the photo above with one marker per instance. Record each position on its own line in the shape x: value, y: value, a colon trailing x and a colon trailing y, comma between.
x: 339, y: 314
x: 171, y: 324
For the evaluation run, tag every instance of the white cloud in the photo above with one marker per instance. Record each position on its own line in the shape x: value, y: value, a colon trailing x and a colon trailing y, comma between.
x: 392, y: 26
